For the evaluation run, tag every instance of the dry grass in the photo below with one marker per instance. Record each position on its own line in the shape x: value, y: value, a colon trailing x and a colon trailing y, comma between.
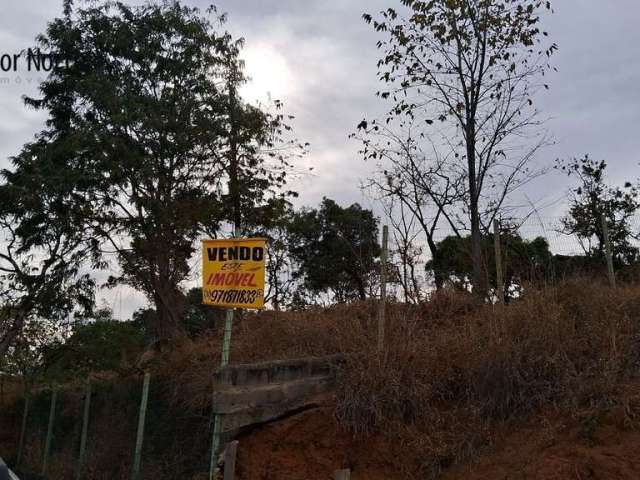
x: 452, y: 371
x: 446, y: 380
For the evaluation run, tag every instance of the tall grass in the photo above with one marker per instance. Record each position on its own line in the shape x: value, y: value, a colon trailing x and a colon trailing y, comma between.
x: 452, y: 371
x: 457, y: 369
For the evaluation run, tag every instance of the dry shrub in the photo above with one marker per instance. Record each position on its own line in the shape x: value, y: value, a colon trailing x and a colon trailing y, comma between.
x: 449, y: 305
x: 561, y: 347
x: 377, y: 387
x: 451, y: 372
x: 261, y: 337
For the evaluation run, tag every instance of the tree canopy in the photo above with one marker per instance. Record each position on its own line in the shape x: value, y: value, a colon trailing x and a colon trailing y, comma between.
x: 592, y: 199
x: 336, y: 249
x: 145, y: 122
x: 463, y: 74
x: 522, y: 261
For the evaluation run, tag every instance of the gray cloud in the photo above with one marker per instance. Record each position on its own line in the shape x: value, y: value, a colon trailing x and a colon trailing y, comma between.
x: 329, y: 55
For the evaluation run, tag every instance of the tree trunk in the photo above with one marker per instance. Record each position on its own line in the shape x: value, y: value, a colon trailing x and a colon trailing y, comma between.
x: 362, y: 293
x: 276, y: 294
x: 478, y: 280
x: 438, y: 274
x: 169, y: 304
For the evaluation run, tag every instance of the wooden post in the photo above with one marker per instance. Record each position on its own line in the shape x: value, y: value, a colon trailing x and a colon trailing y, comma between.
x: 498, y: 252
x: 383, y: 287
x: 608, y: 253
x: 85, y: 428
x: 135, y: 474
x: 47, y: 445
x: 230, y: 460
x: 23, y: 429
x: 344, y: 474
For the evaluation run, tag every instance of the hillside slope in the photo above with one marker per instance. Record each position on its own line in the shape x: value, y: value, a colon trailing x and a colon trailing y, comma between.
x: 589, y: 445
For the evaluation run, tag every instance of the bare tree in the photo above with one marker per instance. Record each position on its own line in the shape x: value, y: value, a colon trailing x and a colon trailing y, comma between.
x: 472, y: 67
x: 406, y: 238
x: 426, y: 185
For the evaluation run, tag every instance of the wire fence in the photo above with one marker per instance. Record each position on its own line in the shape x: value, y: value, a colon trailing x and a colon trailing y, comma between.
x: 107, y: 429
x: 539, y: 250
x: 131, y: 429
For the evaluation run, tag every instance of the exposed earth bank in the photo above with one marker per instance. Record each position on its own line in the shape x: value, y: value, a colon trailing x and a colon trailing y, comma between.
x: 588, y: 445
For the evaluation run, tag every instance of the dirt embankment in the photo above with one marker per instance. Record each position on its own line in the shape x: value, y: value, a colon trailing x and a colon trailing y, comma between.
x: 589, y: 445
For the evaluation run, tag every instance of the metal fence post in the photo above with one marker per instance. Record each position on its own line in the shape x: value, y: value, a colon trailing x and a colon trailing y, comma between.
x: 47, y: 445
x: 608, y: 253
x: 383, y: 287
x: 226, y: 342
x: 23, y: 429
x: 135, y: 474
x: 498, y: 254
x: 85, y: 428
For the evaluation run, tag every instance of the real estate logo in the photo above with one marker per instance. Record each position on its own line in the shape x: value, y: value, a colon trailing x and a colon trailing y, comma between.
x: 31, y: 60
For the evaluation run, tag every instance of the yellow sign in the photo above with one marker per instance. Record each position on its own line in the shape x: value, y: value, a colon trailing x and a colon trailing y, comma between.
x: 233, y: 272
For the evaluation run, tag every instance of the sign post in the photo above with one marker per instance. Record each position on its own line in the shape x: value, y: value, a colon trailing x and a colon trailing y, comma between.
x: 233, y: 272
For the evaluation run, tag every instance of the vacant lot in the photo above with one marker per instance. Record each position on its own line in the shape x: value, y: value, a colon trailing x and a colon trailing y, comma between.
x: 546, y: 384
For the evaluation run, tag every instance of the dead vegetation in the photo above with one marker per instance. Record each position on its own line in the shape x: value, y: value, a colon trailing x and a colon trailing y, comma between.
x: 453, y: 370
x: 447, y: 381
x: 453, y: 373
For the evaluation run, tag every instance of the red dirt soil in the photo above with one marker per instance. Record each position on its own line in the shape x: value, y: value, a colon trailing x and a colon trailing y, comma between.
x: 596, y: 446
x: 309, y: 446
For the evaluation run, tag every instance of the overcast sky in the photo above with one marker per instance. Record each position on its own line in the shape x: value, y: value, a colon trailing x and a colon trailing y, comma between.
x: 319, y: 58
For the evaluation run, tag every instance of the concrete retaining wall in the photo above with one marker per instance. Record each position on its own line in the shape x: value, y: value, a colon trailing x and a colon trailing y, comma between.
x: 250, y: 394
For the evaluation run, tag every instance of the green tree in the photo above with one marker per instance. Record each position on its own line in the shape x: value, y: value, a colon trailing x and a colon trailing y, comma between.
x: 336, y: 249
x: 44, y: 245
x: 593, y: 198
x: 274, y: 223
x: 97, y: 344
x: 146, y: 116
x: 199, y: 318
x: 522, y: 261
x: 467, y: 70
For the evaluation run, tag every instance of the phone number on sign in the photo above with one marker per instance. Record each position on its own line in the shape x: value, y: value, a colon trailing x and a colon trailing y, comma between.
x: 233, y: 296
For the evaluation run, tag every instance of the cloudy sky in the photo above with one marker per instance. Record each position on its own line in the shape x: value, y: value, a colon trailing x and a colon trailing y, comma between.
x: 319, y: 57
